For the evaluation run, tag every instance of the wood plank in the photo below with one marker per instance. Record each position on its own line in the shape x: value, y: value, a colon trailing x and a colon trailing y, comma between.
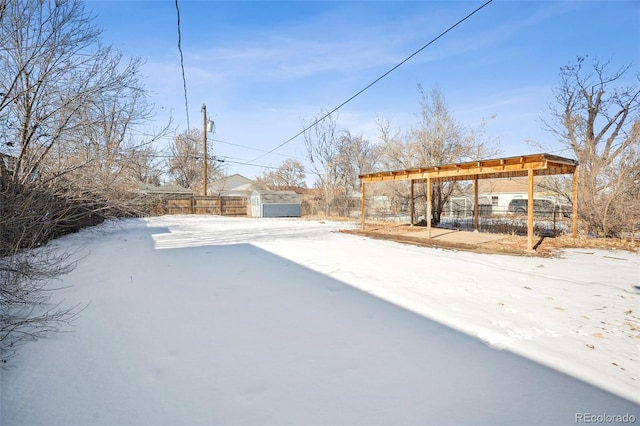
x: 457, y: 173
x: 476, y: 209
x: 535, y: 161
x: 530, y: 207
x: 412, y: 208
x: 362, y: 205
x: 428, y: 216
x: 574, y: 224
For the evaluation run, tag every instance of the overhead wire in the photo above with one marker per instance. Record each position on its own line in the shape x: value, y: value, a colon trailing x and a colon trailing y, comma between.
x: 216, y: 159
x: 170, y: 137
x: 325, y: 116
x: 315, y: 123
x: 249, y: 164
x: 184, y: 80
x: 256, y: 149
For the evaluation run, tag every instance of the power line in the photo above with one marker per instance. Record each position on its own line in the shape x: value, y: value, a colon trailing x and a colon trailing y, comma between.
x: 172, y: 137
x: 214, y: 159
x: 372, y: 83
x: 255, y: 149
x: 184, y: 80
x: 248, y: 164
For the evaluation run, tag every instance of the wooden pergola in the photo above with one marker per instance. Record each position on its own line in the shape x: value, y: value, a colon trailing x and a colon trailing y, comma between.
x: 525, y: 165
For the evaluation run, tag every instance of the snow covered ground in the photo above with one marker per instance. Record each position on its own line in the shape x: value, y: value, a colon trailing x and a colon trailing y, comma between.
x: 210, y: 320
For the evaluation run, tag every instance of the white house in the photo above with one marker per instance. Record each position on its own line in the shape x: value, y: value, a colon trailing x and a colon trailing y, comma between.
x: 494, y: 196
x: 501, y: 191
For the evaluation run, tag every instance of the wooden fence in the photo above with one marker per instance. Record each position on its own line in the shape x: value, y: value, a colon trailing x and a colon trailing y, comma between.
x: 214, y: 205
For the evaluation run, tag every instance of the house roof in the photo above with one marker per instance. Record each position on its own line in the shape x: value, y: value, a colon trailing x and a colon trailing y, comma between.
x: 507, y: 186
x: 8, y: 151
x: 233, y: 183
x: 164, y: 189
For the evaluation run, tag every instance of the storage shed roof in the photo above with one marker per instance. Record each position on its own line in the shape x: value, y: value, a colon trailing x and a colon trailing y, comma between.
x: 278, y: 197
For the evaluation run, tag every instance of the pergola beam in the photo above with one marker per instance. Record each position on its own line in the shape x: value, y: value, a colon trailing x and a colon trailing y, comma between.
x: 541, y: 164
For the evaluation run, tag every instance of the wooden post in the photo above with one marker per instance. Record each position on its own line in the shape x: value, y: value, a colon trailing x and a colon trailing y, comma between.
x: 476, y: 208
x: 428, y: 216
x: 220, y: 204
x: 574, y: 225
x: 362, y: 206
x: 530, y: 211
x: 412, y: 206
x: 204, y: 150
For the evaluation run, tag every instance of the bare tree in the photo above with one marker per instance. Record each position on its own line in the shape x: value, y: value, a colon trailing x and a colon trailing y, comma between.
x: 143, y: 165
x: 185, y: 152
x: 596, y: 116
x: 394, y: 156
x: 356, y: 156
x: 67, y: 107
x: 59, y: 83
x: 28, y: 267
x: 337, y: 158
x: 322, y: 142
x: 103, y: 157
x: 68, y: 104
x: 438, y: 139
x: 441, y: 139
x: 289, y: 175
x: 186, y: 161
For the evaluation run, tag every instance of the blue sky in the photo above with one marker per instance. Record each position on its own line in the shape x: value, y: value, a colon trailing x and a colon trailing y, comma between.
x: 262, y: 67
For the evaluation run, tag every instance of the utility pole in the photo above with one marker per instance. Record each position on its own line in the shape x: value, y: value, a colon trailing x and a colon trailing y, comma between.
x: 204, y: 156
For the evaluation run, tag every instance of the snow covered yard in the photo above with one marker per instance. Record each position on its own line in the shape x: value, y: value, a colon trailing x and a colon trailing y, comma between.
x: 210, y: 320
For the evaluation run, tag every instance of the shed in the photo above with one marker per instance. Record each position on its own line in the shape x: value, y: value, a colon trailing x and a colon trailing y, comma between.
x: 275, y: 204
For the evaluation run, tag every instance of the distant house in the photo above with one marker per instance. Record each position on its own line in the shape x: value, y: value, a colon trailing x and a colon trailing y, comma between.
x: 266, y: 203
x: 501, y: 191
x: 494, y: 196
x: 234, y: 185
x: 8, y: 158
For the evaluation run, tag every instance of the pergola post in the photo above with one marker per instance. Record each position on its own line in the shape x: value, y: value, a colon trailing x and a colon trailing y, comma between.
x: 574, y: 225
x: 476, y: 209
x: 428, y: 218
x: 530, y: 211
x: 362, y: 206
x: 412, y: 207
